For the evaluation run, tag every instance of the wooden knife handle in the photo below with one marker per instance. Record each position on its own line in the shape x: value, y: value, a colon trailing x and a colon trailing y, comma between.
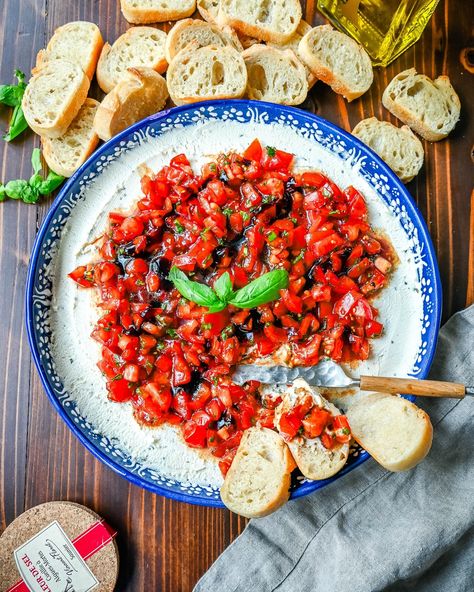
x: 411, y: 386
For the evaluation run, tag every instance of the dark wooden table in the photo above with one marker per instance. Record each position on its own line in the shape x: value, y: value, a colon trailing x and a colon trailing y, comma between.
x: 165, y: 545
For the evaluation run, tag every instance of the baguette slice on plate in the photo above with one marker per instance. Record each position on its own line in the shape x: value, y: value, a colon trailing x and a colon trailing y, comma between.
x: 156, y: 11
x: 337, y: 60
x: 53, y: 97
x: 314, y: 460
x: 258, y: 481
x: 430, y: 107
x: 79, y: 42
x: 140, y: 47
x: 140, y: 93
x: 202, y: 73
x: 397, y: 433
x: 65, y: 155
x: 268, y: 20
x: 397, y: 146
x: 189, y: 30
x: 275, y: 75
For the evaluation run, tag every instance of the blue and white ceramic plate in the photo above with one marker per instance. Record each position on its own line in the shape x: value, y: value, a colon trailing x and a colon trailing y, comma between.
x: 60, y: 315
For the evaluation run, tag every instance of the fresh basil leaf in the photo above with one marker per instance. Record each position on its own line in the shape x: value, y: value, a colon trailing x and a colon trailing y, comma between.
x: 3, y: 193
x: 52, y: 182
x: 16, y: 189
x: 217, y: 307
x: 36, y: 160
x: 11, y: 95
x: 30, y: 195
x: 17, y: 125
x: 194, y: 291
x: 261, y: 290
x: 35, y: 180
x: 223, y: 287
x: 21, y: 78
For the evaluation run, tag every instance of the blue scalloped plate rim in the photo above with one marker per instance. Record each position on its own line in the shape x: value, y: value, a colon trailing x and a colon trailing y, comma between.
x: 169, y: 488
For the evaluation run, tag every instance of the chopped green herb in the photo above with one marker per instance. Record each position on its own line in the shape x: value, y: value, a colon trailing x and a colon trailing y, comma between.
x: 299, y: 257
x: 227, y: 211
x: 118, y: 377
x: 213, y: 167
x: 179, y: 227
x: 206, y: 326
x: 171, y: 332
x: 346, y: 431
x: 245, y: 216
x: 272, y: 236
x: 271, y: 151
x: 294, y: 220
x: 266, y: 199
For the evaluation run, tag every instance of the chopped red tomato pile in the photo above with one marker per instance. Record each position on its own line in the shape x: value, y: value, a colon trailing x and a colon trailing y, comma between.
x: 245, y: 214
x: 312, y: 421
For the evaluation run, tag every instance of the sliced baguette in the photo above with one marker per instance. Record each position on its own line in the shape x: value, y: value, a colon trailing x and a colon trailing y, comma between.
x: 430, y: 107
x: 275, y: 75
x: 156, y: 11
x: 397, y: 146
x: 258, y: 481
x: 202, y: 73
x: 140, y: 93
x: 293, y: 44
x: 141, y: 47
x: 79, y: 42
x: 394, y: 431
x: 337, y: 60
x: 65, y: 155
x: 209, y: 10
x: 268, y: 20
x: 53, y: 97
x: 314, y: 460
x: 188, y: 30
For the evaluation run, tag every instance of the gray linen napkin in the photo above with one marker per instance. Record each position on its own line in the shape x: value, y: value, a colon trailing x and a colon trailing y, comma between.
x: 371, y: 529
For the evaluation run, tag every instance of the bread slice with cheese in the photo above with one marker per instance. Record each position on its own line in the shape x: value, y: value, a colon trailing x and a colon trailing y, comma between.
x: 268, y: 20
x: 314, y: 460
x: 188, y: 30
x: 275, y: 75
x: 203, y: 73
x: 258, y: 481
x: 337, y: 60
x: 140, y: 47
x: 397, y: 146
x: 293, y: 44
x: 140, y: 93
x: 79, y: 41
x: 65, y: 155
x: 397, y: 433
x: 430, y: 107
x: 156, y: 11
x: 53, y: 97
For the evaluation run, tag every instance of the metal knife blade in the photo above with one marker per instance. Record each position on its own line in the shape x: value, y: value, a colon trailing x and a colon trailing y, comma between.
x: 327, y: 374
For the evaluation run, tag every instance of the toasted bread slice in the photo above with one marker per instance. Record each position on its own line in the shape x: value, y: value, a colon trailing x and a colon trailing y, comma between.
x: 141, y: 92
x: 140, y: 47
x: 430, y: 107
x: 53, y: 97
x: 337, y: 60
x: 202, y: 73
x: 397, y: 146
x: 188, y: 30
x: 258, y: 481
x: 275, y: 75
x: 209, y: 10
x: 268, y: 20
x: 79, y: 42
x: 65, y: 155
x: 140, y: 12
x: 293, y: 44
x: 313, y: 459
x: 397, y: 433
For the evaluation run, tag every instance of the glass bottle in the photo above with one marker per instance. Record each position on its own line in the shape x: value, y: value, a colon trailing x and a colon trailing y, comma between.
x: 386, y: 28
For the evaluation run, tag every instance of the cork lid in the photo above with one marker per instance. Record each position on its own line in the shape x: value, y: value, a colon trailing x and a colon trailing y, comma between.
x: 74, y: 520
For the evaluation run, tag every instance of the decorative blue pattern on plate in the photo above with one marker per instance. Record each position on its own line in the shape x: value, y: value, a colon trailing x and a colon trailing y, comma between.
x: 39, y: 284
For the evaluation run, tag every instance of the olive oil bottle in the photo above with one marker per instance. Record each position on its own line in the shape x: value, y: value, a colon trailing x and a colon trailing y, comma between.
x: 386, y: 28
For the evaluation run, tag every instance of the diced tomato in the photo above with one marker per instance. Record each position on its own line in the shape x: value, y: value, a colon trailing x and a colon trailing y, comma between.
x: 254, y: 151
x: 315, y: 422
x: 195, y: 435
x: 341, y: 429
x: 120, y: 390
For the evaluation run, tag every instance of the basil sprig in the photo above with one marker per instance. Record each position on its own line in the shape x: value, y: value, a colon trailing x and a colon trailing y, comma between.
x: 12, y: 95
x: 30, y: 191
x: 259, y: 291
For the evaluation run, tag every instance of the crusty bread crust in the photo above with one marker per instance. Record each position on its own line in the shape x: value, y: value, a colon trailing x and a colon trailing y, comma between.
x: 76, y: 95
x: 233, y: 16
x: 54, y: 150
x: 176, y: 9
x: 397, y: 433
x: 416, y: 119
x: 349, y: 90
x: 253, y: 474
x: 141, y: 93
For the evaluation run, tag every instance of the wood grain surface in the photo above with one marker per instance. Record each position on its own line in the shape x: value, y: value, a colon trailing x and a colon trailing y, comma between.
x: 165, y: 545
